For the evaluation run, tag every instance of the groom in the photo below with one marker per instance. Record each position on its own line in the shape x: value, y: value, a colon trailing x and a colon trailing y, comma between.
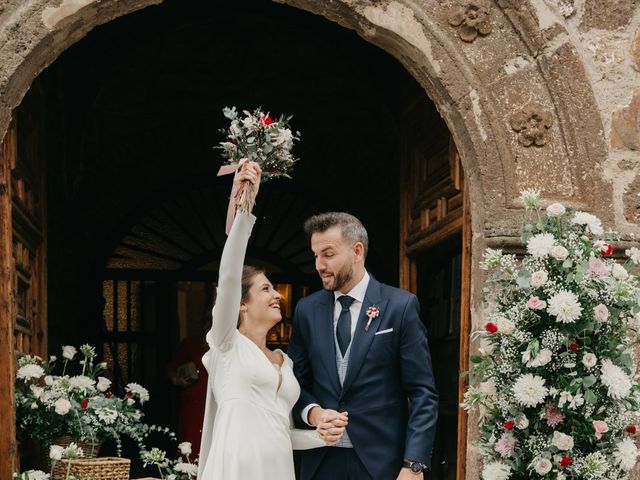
x: 360, y: 350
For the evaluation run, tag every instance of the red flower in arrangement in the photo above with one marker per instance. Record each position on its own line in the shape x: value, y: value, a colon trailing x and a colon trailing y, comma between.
x: 266, y: 120
x: 565, y: 462
x: 509, y: 425
x: 631, y: 429
x: 108, y: 395
x: 84, y: 403
x: 606, y: 249
x: 491, y: 327
x: 128, y: 395
x: 573, y: 346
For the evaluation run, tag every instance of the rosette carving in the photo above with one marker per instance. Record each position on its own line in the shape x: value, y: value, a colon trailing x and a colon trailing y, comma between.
x: 532, y: 124
x: 472, y: 18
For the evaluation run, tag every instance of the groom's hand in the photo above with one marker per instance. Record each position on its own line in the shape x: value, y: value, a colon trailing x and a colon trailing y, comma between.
x: 319, y: 415
x: 406, y: 474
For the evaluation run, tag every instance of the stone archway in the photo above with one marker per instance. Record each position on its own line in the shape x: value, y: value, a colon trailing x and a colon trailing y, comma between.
x: 510, y: 85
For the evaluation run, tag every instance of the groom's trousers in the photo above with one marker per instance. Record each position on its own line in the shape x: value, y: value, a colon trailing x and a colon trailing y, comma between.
x: 342, y: 464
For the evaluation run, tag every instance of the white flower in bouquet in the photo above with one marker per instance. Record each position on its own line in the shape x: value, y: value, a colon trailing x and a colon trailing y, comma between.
x: 529, y: 390
x: 573, y: 401
x: 589, y: 360
x: 69, y: 351
x: 619, y: 272
x: 542, y: 466
x: 73, y: 451
x: 33, y: 475
x: 615, y: 379
x: 56, y: 452
x: 595, y: 465
x: 601, y: 312
x: 530, y: 198
x: 591, y: 222
x: 30, y: 371
x: 155, y: 456
x: 540, y: 245
x: 562, y: 441
x: 62, y: 406
x: 505, y: 326
x: 556, y: 210
x: 626, y: 454
x: 139, y: 391
x: 559, y: 252
x: 496, y: 471
x: 539, y: 278
x: 185, y: 448
x: 82, y: 383
x: 598, y: 268
x: 544, y: 357
x: 52, y: 358
x: 171, y: 476
x: 107, y: 415
x: 191, y: 469
x: 491, y: 259
x: 523, y: 422
x: 534, y: 303
x: 633, y: 254
x: 48, y: 380
x: 37, y: 391
x: 565, y: 306
x: 506, y: 445
x: 103, y: 384
x: 88, y: 351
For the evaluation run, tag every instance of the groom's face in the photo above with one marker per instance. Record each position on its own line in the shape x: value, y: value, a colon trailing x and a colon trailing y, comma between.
x: 334, y: 258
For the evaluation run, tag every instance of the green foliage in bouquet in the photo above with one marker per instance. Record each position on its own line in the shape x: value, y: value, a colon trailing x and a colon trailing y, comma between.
x: 554, y: 383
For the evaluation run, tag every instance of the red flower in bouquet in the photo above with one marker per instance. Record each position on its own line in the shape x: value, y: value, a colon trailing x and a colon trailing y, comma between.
x: 84, y: 403
x: 565, y: 462
x: 509, y: 425
x: 491, y: 327
x: 573, y: 346
x: 606, y: 249
x: 631, y: 429
x: 266, y: 120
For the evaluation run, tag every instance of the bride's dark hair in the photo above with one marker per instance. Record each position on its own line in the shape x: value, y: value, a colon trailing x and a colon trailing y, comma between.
x: 249, y: 272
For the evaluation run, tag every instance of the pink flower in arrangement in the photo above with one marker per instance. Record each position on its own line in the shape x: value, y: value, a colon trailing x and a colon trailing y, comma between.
x: 597, y: 268
x: 506, y: 445
x: 553, y: 417
x: 600, y: 426
x: 535, y: 303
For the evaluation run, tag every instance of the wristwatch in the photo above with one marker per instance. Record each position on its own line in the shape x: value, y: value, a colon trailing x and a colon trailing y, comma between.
x: 415, y: 467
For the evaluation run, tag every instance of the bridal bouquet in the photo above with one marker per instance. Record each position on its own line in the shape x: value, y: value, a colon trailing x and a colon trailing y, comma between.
x: 81, y: 405
x: 554, y: 382
x: 260, y: 138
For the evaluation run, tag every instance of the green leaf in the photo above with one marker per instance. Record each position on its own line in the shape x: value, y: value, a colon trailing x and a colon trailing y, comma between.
x: 588, y: 381
x: 476, y: 359
x: 590, y: 397
x: 567, y: 263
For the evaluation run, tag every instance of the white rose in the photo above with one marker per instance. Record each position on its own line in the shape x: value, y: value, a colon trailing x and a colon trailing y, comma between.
x: 559, y: 252
x: 562, y: 441
x: 69, y: 352
x: 37, y: 391
x: 619, y: 272
x: 601, y: 312
x: 55, y: 452
x: 544, y: 357
x: 185, y: 448
x: 52, y: 358
x: 48, y: 380
x: 555, y: 210
x: 131, y: 401
x: 62, y: 406
x: 34, y: 406
x: 539, y: 278
x: 543, y: 466
x: 523, y: 422
x: 103, y: 384
x: 505, y: 326
x: 589, y: 360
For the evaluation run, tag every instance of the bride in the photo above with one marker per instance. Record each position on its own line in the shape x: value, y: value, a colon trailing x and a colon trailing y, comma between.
x: 247, y: 431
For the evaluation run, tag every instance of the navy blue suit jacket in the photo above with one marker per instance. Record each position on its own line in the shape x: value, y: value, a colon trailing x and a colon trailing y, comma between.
x: 384, y: 372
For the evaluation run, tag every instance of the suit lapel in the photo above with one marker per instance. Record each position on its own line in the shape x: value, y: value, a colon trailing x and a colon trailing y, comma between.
x: 362, y: 339
x: 324, y: 320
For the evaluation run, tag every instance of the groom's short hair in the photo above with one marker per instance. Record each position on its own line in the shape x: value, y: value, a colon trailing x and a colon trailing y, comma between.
x: 350, y: 226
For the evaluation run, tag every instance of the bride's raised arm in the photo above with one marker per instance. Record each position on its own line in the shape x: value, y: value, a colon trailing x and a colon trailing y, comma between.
x: 229, y: 292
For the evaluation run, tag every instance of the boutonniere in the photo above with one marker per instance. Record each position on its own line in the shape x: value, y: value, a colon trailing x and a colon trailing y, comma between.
x: 372, y: 312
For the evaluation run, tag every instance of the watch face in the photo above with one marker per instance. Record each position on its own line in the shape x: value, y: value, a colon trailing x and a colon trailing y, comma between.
x: 416, y: 468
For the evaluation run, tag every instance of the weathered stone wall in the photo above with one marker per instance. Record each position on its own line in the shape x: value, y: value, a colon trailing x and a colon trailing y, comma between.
x: 537, y: 93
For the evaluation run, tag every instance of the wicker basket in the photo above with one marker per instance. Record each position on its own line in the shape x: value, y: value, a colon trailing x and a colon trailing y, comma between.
x: 101, y: 468
x: 90, y: 449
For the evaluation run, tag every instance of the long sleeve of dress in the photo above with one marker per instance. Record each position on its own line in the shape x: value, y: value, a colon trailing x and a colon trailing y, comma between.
x: 304, y: 439
x: 227, y: 307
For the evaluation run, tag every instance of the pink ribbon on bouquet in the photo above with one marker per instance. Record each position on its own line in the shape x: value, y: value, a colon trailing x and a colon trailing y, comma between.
x: 231, y: 209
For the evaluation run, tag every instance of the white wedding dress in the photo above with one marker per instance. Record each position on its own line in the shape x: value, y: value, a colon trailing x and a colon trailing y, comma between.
x: 247, y: 433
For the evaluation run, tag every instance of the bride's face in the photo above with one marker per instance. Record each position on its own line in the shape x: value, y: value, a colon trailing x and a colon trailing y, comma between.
x: 263, y: 303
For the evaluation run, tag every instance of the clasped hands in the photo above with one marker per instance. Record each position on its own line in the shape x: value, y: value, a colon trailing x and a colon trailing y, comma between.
x: 330, y: 424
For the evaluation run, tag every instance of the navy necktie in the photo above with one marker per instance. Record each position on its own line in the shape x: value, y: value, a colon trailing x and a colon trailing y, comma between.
x: 343, y: 329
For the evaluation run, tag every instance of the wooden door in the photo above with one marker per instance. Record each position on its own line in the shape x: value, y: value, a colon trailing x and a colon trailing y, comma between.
x: 435, y: 264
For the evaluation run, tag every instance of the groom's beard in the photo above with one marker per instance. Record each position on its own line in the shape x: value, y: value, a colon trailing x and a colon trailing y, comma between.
x: 340, y: 279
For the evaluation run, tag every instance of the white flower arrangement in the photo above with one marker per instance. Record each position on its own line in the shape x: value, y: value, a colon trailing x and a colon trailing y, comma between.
x: 555, y: 381
x: 180, y: 469
x: 82, y: 405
